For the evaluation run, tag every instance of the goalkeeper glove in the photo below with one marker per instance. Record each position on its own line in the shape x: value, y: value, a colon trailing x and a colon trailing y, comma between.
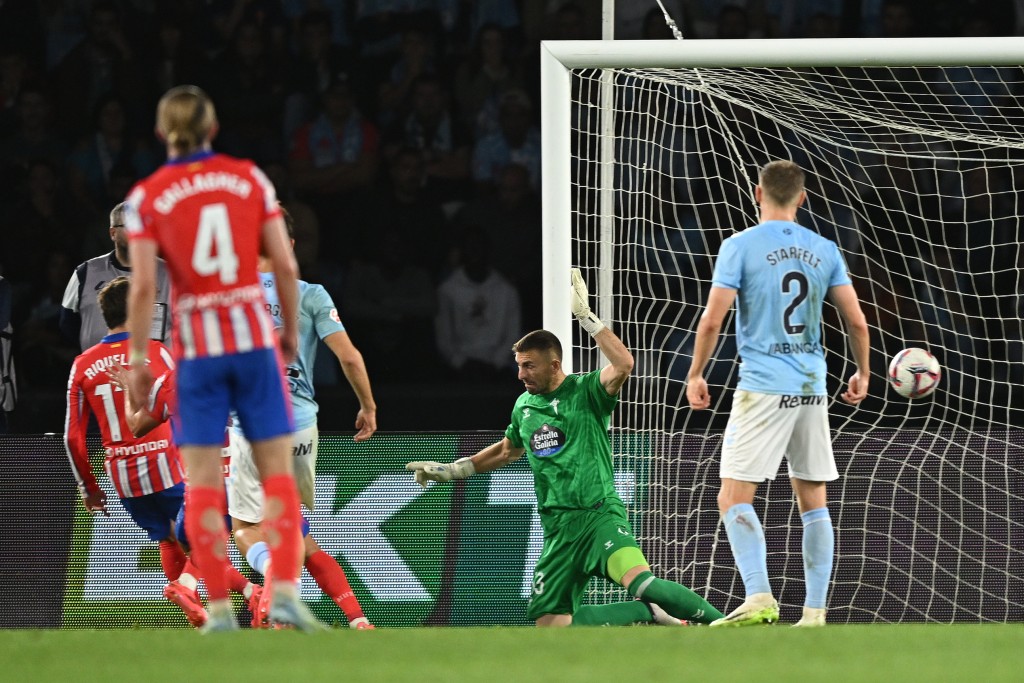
x: 580, y: 308
x: 436, y: 471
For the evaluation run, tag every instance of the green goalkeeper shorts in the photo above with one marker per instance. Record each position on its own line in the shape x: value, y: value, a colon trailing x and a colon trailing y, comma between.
x: 582, y: 547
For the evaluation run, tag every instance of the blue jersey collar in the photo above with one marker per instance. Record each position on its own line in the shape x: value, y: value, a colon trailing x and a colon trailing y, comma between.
x: 116, y: 337
x: 195, y: 156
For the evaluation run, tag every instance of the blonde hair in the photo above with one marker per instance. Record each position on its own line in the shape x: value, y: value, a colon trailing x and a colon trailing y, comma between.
x: 185, y: 118
x: 781, y: 182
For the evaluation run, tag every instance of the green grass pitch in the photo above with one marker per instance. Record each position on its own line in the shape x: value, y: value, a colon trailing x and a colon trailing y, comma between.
x: 508, y: 655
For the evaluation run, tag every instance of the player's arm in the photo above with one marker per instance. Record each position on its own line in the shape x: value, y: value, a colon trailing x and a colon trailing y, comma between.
x: 277, y: 248
x: 76, y: 421
x: 141, y: 295
x: 354, y: 367
x: 620, y: 360
x: 844, y: 297
x: 488, y: 459
x: 139, y: 419
x: 720, y: 300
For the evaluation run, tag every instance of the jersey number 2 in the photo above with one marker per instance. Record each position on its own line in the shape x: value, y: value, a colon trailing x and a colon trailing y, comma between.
x: 801, y: 293
x: 214, y: 251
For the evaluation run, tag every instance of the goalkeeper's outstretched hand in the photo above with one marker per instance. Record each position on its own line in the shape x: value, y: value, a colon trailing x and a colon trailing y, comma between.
x: 580, y: 305
x: 435, y: 471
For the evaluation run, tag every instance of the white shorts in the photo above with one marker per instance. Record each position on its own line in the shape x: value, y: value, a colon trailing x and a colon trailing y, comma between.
x: 245, y: 493
x: 765, y: 427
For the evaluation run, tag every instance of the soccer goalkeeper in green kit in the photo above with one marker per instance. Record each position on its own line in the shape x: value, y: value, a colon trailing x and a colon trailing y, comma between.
x: 561, y: 424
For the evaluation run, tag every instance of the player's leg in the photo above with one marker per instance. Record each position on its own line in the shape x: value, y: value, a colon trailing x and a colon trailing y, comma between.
x: 207, y: 532
x: 203, y: 407
x: 324, y: 569
x: 613, y: 553
x: 154, y: 514
x: 818, y: 546
x: 756, y: 438
x: 811, y: 465
x: 331, y: 579
x: 558, y: 584
x: 264, y: 412
x: 245, y: 507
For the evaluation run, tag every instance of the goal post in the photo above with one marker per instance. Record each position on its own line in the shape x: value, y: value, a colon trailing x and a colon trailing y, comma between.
x: 915, y: 157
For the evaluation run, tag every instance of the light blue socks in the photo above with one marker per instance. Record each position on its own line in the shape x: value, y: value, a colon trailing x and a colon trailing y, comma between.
x: 258, y: 556
x: 819, y: 546
x: 746, y: 537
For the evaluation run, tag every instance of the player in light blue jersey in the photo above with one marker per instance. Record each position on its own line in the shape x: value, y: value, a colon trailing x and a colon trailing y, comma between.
x: 318, y: 320
x: 778, y: 273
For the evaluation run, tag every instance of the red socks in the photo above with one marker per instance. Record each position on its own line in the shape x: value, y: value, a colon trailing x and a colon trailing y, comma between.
x: 208, y: 536
x: 331, y: 578
x: 282, y: 527
x: 236, y: 581
x: 172, y: 559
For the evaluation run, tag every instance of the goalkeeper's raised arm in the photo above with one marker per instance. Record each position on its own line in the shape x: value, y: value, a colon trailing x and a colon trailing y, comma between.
x: 620, y: 360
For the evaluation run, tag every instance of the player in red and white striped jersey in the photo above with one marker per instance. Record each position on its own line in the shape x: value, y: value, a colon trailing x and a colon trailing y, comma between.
x: 210, y: 216
x: 142, y: 416
x: 146, y: 471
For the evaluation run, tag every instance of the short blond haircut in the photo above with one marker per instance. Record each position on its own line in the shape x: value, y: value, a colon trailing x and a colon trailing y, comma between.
x: 781, y: 182
x: 185, y: 118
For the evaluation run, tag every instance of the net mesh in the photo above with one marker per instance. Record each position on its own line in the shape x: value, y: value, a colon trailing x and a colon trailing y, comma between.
x: 916, y: 173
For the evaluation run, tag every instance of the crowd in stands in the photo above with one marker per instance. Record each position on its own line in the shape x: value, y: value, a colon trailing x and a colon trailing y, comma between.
x: 402, y: 135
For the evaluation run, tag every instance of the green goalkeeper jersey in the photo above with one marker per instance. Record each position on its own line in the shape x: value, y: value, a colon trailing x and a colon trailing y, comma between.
x: 565, y: 434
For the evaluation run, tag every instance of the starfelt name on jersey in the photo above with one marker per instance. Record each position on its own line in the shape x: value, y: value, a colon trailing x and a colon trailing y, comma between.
x: 201, y: 182
x: 796, y: 253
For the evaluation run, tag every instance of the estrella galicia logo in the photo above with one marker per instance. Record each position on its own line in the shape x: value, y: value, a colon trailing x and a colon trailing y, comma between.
x: 547, y: 441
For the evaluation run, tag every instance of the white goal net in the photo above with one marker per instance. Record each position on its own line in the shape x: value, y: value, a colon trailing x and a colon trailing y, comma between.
x: 917, y: 172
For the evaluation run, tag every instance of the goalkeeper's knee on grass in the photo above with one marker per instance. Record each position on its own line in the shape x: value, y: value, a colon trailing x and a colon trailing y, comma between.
x: 674, y: 598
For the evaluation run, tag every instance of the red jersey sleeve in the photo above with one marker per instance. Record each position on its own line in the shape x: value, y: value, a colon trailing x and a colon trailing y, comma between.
x: 137, y: 220
x: 267, y: 191
x: 75, y: 423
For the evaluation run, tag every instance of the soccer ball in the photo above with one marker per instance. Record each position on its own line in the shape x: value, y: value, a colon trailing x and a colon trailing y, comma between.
x: 914, y: 373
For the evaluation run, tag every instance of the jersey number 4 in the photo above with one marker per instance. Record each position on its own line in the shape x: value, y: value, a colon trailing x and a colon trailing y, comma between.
x: 214, y: 251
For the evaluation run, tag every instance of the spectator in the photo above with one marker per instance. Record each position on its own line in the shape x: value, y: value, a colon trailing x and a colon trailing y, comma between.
x: 402, y: 202
x: 390, y: 301
x: 733, y: 23
x: 110, y: 143
x: 44, y: 215
x: 104, y: 63
x: 431, y: 128
x: 478, y: 311
x: 250, y: 84
x: 418, y: 57
x: 176, y: 55
x: 14, y: 74
x: 481, y: 79
x: 8, y: 380
x: 516, y: 142
x: 332, y: 159
x: 313, y: 70
x: 35, y: 137
x: 510, y: 217
x: 337, y: 14
x: 43, y: 352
